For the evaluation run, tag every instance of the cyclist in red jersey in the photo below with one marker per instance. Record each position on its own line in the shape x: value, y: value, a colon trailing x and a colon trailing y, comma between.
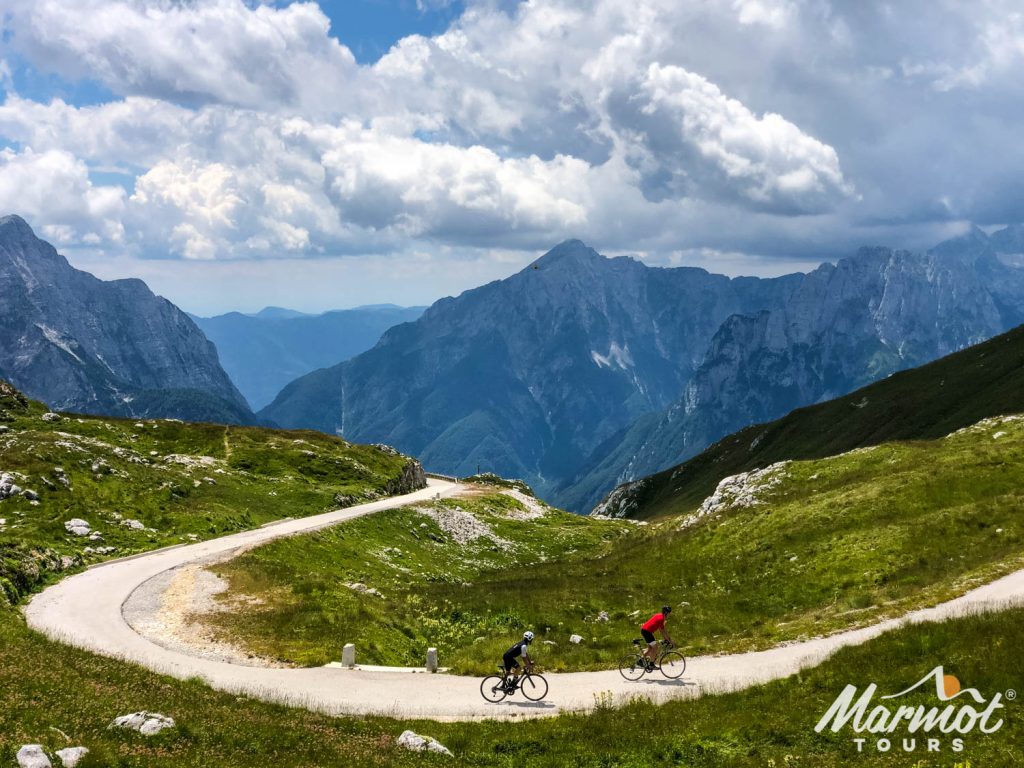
x: 655, y: 624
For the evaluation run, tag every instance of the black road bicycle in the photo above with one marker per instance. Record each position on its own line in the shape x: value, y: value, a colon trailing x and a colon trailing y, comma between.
x: 494, y: 688
x: 671, y: 663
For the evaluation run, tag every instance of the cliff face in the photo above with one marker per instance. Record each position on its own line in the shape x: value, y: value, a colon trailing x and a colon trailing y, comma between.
x: 82, y: 344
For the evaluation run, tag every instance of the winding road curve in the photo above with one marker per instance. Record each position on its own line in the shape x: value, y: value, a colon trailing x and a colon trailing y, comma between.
x: 85, y: 610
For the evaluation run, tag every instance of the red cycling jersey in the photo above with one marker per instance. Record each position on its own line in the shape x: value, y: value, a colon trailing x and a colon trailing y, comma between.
x: 656, y: 622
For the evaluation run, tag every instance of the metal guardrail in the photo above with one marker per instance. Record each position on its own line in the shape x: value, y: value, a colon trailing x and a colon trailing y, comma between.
x: 438, y: 476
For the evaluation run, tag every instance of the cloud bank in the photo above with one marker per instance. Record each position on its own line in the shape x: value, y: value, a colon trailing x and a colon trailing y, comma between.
x: 239, y: 130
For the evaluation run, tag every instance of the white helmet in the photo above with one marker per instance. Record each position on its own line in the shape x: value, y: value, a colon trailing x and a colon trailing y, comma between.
x: 528, y: 636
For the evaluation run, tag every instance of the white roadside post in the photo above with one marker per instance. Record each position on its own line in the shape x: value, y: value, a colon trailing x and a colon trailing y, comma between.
x: 348, y: 655
x: 431, y: 659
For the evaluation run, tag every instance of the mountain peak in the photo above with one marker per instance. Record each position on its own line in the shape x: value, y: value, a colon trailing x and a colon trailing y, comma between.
x: 969, y: 245
x: 15, y: 225
x: 1009, y: 239
x: 575, y: 251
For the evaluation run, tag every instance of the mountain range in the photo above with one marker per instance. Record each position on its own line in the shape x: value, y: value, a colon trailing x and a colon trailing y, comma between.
x: 924, y: 403
x: 108, y: 347
x: 847, y: 325
x: 581, y: 372
x: 263, y: 352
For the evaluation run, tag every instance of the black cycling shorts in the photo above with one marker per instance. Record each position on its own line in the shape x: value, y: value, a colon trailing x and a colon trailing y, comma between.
x: 510, y: 663
x: 648, y: 636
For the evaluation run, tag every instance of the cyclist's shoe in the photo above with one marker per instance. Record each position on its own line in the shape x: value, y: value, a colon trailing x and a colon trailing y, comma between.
x: 650, y: 666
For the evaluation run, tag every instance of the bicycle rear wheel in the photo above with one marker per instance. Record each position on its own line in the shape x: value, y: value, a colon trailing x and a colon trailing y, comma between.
x: 534, y: 687
x: 673, y: 664
x: 632, y: 666
x: 493, y: 688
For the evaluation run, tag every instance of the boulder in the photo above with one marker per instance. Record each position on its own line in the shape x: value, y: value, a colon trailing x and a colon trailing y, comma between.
x: 30, y: 495
x: 602, y: 616
x: 99, y: 550
x: 146, y: 723
x: 575, y: 639
x: 51, y: 417
x: 71, y: 755
x: 6, y: 485
x: 32, y: 756
x: 77, y: 526
x: 416, y: 743
x: 358, y: 586
x: 135, y: 525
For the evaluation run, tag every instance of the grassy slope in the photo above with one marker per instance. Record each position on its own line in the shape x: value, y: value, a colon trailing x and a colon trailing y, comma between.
x: 922, y: 403
x: 252, y: 475
x: 47, y: 686
x: 837, y: 543
x: 308, y: 612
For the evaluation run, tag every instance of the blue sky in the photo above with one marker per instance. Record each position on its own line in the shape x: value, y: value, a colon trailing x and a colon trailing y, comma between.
x: 235, y: 153
x: 371, y: 27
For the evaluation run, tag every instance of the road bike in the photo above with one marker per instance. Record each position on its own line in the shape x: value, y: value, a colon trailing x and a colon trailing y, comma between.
x: 495, y: 688
x: 634, y: 664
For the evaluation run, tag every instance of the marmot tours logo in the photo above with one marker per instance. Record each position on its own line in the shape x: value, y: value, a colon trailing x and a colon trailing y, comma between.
x: 928, y: 728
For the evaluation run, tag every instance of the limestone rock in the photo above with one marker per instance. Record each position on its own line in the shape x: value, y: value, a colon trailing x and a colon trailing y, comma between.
x: 146, y: 723
x: 71, y: 756
x: 358, y: 586
x: 77, y: 526
x: 51, y: 417
x: 32, y: 756
x: 575, y: 639
x: 416, y: 743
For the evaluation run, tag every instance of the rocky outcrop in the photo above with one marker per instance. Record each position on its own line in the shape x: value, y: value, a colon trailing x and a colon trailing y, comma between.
x: 12, y: 402
x: 22, y: 568
x: 623, y: 501
x: 9, y: 486
x: 146, y: 723
x: 82, y: 344
x: 77, y: 527
x: 412, y: 478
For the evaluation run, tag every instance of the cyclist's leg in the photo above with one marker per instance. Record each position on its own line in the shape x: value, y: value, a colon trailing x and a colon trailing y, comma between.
x: 652, y: 645
x: 511, y: 670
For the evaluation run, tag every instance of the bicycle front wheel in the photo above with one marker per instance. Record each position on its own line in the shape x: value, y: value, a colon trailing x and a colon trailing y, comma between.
x: 673, y: 664
x: 493, y: 689
x: 534, y: 687
x: 632, y: 666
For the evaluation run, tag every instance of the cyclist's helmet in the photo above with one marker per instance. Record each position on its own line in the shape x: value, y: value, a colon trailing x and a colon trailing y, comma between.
x: 666, y: 609
x: 528, y: 636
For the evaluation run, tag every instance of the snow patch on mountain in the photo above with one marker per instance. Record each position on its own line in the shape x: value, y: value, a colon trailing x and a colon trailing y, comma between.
x: 617, y: 357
